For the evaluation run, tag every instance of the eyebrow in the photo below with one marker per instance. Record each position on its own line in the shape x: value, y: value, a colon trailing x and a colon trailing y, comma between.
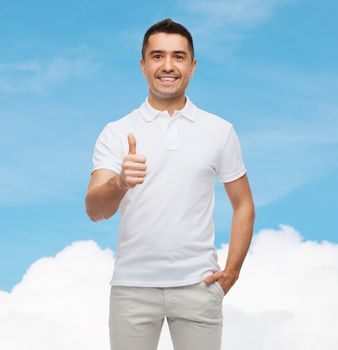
x: 181, y: 52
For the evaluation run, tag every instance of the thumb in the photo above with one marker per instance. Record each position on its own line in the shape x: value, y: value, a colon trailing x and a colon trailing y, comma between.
x: 132, y: 143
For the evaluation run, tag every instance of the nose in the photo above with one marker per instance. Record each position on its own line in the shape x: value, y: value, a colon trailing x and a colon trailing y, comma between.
x: 167, y: 64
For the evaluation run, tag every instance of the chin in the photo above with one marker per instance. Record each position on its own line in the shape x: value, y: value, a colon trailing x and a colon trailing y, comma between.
x: 169, y: 96
x: 169, y: 93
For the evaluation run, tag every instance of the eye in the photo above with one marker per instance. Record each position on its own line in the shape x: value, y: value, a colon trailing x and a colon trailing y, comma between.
x: 157, y: 57
x: 179, y: 57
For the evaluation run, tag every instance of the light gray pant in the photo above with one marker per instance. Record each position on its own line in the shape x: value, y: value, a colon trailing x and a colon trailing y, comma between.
x: 193, y: 312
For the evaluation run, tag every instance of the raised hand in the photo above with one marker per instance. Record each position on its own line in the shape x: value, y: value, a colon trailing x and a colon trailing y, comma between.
x: 134, y: 166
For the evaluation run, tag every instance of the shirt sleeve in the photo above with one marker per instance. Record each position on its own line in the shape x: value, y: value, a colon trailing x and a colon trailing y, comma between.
x: 230, y: 165
x: 107, y: 151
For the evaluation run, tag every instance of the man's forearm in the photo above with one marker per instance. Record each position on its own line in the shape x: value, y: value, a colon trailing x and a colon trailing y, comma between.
x: 103, y: 201
x: 240, y: 237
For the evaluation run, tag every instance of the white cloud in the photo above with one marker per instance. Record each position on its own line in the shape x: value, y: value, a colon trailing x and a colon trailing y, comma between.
x: 285, y: 298
x: 217, y: 24
x: 37, y: 74
x: 60, y: 303
x: 292, y: 284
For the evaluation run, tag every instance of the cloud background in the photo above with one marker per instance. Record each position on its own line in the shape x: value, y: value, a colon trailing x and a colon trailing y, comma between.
x: 67, y: 69
x: 286, y: 298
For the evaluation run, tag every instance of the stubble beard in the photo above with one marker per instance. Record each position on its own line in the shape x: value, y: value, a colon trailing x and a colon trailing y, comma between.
x: 167, y: 94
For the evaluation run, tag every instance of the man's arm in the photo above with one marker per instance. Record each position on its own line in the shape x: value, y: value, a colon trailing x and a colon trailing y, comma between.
x: 106, y: 188
x: 242, y: 223
x: 105, y: 192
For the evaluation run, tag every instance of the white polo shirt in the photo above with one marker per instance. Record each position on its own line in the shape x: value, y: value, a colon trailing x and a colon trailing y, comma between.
x: 166, y: 232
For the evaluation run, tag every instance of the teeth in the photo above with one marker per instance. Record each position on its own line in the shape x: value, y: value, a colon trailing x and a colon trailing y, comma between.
x: 167, y: 79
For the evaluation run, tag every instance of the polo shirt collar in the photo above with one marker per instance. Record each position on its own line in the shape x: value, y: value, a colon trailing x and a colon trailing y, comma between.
x: 149, y: 113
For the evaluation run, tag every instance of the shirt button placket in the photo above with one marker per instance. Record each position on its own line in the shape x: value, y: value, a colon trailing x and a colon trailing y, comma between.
x: 172, y: 141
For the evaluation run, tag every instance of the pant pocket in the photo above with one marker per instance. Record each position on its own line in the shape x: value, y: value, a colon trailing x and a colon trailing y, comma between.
x: 215, y: 289
x: 220, y: 289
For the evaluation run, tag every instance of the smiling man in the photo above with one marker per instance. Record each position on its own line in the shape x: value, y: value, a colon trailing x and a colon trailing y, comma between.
x: 157, y: 166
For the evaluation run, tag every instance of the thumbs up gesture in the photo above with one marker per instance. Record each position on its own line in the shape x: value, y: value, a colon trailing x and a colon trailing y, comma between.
x: 134, y: 166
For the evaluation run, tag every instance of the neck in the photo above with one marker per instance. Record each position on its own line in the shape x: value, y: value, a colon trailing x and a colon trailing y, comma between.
x: 170, y: 105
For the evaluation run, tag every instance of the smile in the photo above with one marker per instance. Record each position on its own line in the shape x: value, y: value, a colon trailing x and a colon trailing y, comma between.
x: 167, y: 80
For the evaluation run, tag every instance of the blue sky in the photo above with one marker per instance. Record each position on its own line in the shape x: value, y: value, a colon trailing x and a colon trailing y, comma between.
x: 68, y: 68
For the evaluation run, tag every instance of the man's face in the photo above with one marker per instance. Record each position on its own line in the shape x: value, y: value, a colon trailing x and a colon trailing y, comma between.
x: 167, y: 65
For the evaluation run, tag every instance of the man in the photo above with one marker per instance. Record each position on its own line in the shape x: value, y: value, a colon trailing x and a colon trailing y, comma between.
x: 157, y: 166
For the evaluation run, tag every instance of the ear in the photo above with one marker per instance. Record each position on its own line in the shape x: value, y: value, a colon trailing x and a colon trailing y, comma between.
x: 142, y: 63
x: 193, y: 67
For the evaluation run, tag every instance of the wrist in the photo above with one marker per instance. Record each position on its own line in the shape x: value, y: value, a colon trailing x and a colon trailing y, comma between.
x: 230, y: 272
x: 119, y: 184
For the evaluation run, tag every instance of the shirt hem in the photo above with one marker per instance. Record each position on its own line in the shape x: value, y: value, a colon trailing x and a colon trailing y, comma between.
x: 157, y: 284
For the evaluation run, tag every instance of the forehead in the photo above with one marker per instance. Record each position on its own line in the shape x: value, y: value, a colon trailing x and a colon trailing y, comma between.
x: 167, y: 42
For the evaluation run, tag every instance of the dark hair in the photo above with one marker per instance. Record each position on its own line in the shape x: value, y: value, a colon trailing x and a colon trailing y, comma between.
x: 170, y: 27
